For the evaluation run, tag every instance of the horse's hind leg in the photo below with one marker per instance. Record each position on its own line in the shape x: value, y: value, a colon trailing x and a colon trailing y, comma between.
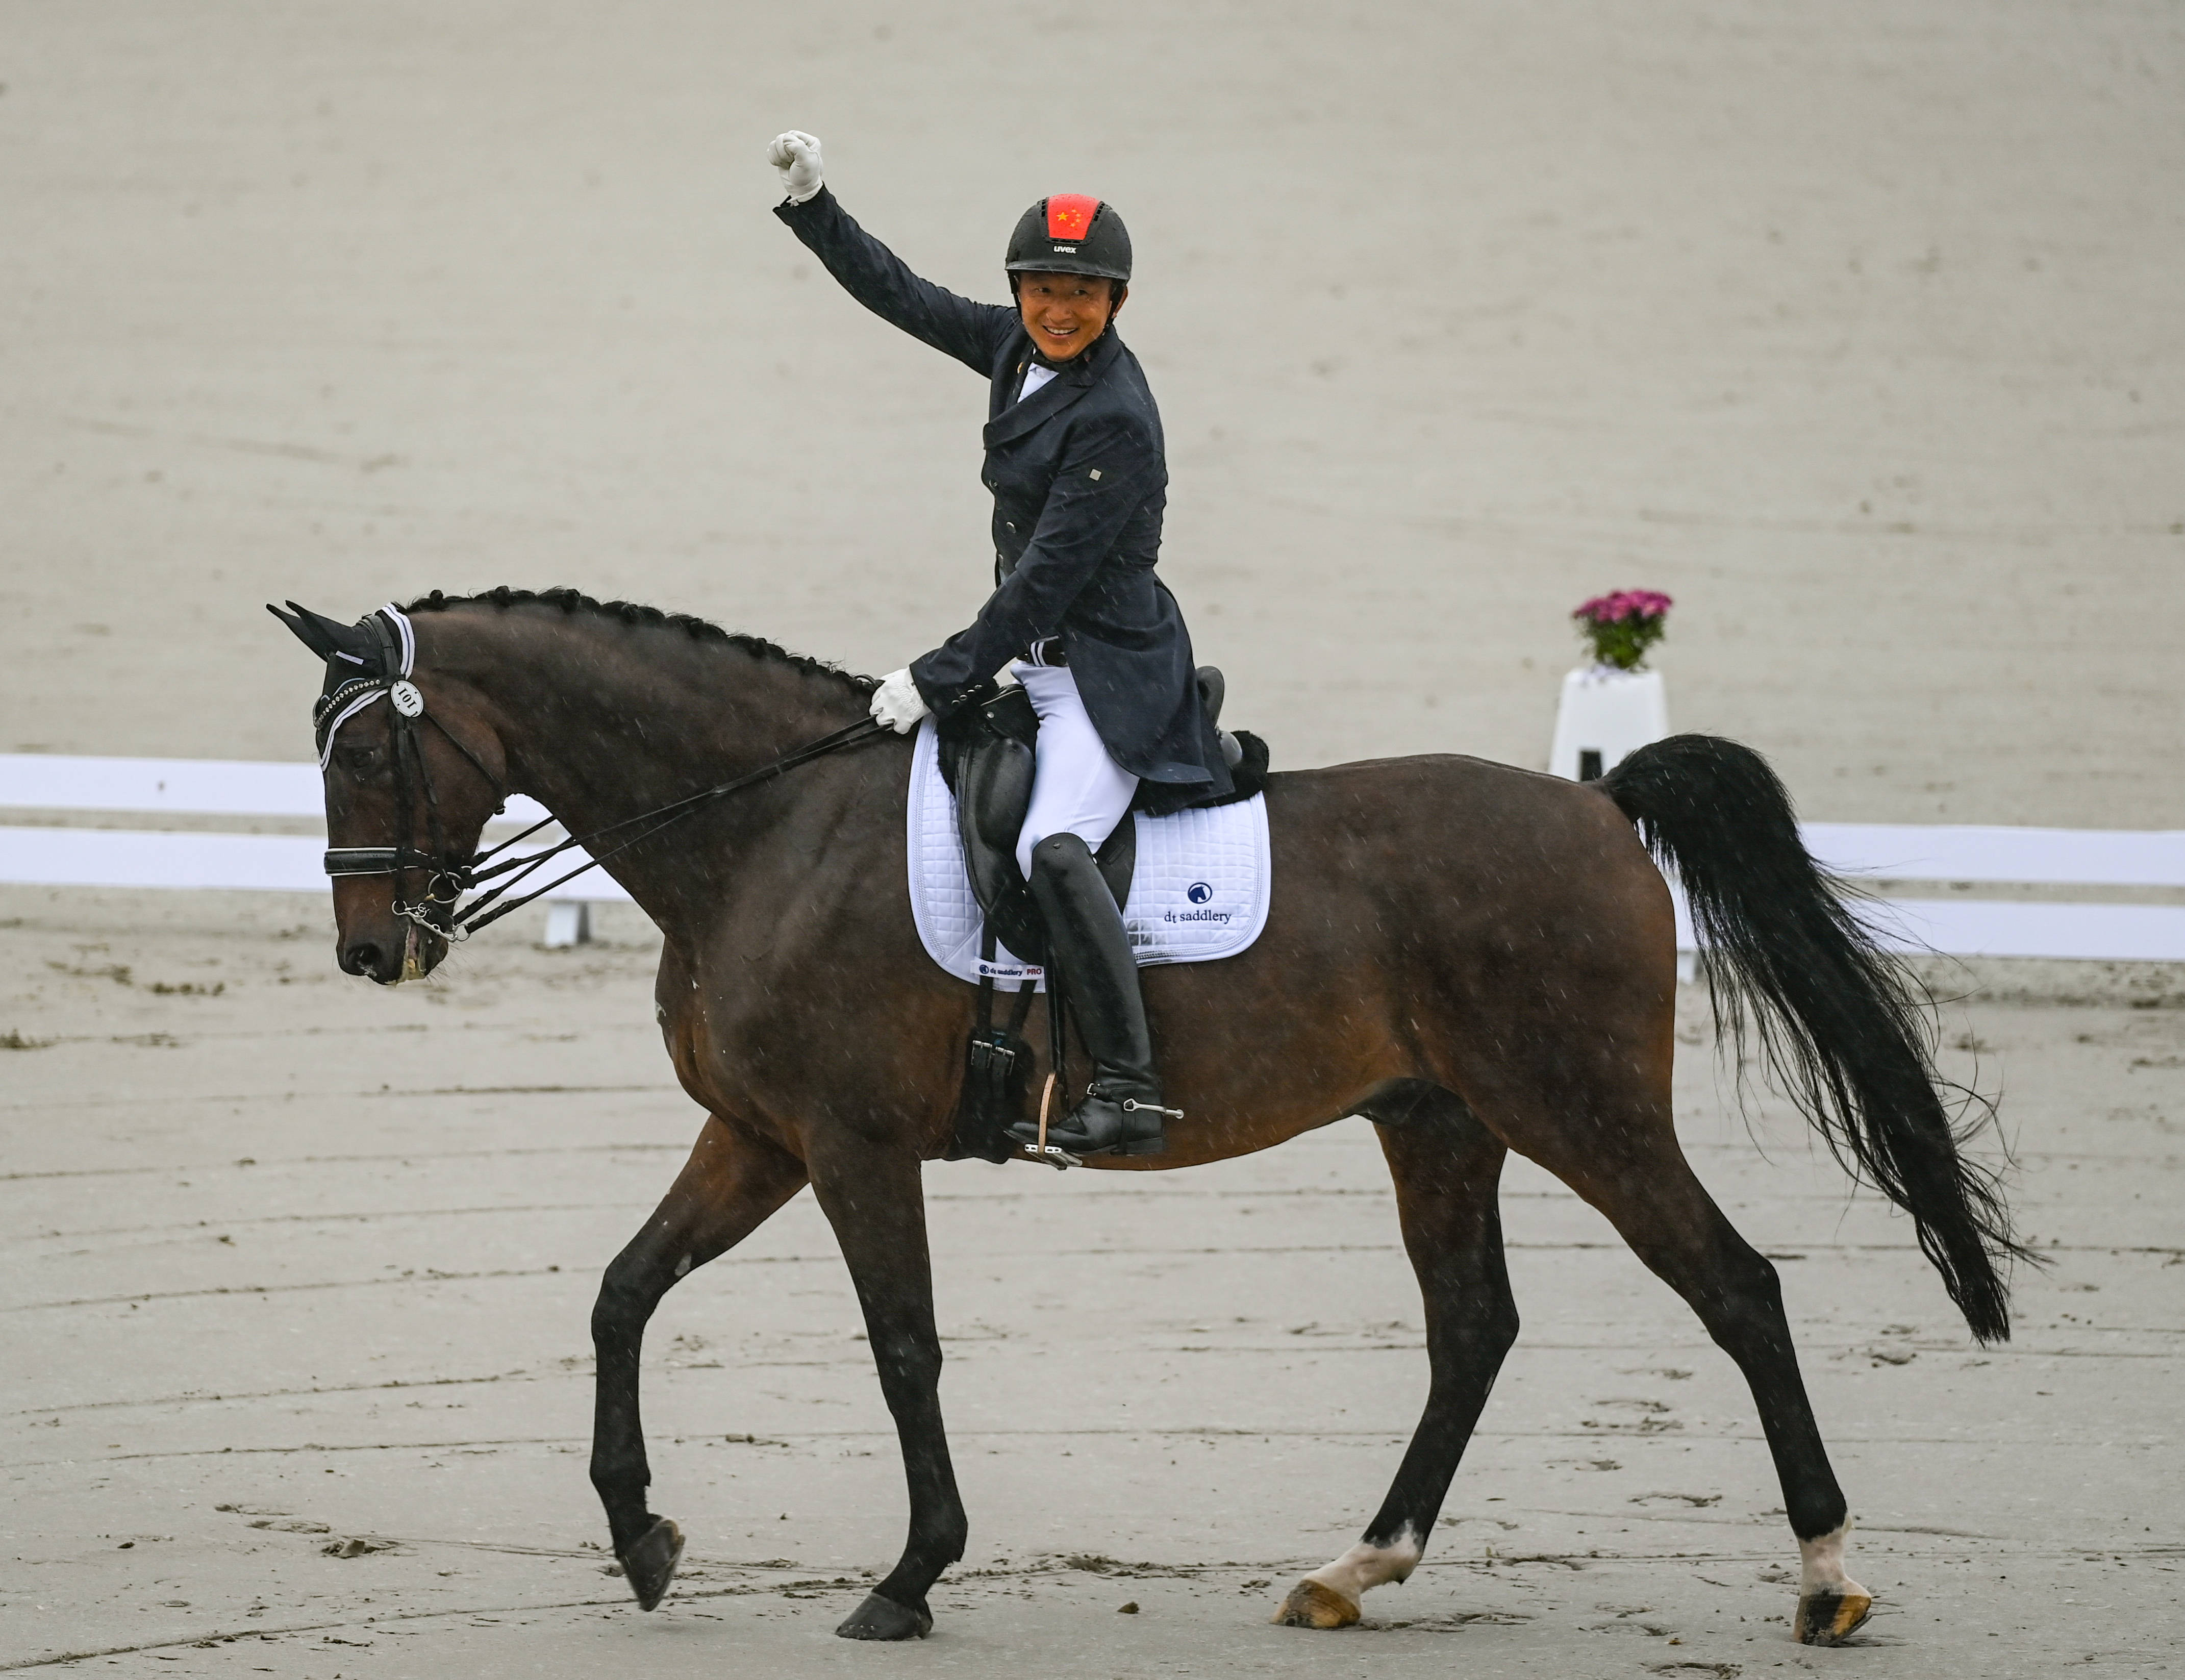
x: 1446, y: 1167
x: 734, y: 1180
x: 1630, y: 1167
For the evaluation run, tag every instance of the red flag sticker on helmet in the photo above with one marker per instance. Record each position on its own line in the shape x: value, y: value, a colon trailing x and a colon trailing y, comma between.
x: 1069, y: 215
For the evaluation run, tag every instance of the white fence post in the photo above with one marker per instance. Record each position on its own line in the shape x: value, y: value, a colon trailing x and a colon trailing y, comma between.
x: 567, y: 924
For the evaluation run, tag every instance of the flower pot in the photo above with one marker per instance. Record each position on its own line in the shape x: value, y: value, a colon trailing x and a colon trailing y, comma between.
x: 1605, y: 714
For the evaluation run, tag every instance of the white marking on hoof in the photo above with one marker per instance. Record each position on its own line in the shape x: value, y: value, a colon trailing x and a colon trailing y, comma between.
x: 1831, y: 1605
x: 1822, y: 1566
x: 1366, y: 1566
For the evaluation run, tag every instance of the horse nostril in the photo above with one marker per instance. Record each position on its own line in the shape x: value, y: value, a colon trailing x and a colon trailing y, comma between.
x: 360, y: 959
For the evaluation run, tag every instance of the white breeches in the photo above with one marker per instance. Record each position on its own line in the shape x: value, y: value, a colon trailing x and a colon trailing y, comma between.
x: 1076, y: 788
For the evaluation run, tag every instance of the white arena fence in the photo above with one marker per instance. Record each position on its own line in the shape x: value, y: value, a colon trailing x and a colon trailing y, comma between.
x: 42, y: 855
x: 215, y: 787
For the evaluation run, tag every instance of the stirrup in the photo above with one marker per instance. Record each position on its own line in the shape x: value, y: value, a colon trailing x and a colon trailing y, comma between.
x: 1118, y: 1129
x: 1046, y: 1154
x: 1050, y: 1155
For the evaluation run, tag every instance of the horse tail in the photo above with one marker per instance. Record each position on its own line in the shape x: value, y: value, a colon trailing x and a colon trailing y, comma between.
x: 1845, y: 1031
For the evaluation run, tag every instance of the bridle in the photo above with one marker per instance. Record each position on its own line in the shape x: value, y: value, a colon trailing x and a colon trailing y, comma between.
x: 489, y: 876
x: 447, y: 876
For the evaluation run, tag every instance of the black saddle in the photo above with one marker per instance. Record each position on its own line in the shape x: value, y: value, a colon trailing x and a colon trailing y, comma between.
x: 988, y: 753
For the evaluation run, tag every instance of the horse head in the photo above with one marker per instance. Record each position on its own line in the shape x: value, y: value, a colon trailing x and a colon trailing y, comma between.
x: 412, y: 773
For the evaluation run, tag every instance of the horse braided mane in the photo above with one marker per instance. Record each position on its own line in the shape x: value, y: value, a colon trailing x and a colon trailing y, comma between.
x: 637, y: 613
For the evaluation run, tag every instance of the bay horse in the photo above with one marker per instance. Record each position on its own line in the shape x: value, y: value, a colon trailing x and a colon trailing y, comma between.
x: 1475, y: 957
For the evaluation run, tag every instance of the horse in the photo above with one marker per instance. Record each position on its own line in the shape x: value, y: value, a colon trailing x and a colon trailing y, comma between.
x: 1475, y: 957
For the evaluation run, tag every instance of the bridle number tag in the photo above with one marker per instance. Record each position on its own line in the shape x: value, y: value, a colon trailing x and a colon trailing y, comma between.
x: 407, y: 700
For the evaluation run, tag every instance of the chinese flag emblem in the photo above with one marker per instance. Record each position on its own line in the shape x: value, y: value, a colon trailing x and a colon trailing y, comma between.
x: 1069, y: 215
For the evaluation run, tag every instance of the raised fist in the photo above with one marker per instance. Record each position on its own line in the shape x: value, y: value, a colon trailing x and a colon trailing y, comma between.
x: 795, y: 155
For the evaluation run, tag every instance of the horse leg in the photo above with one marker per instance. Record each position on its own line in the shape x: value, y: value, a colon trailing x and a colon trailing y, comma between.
x: 872, y: 1194
x: 1636, y: 1174
x: 734, y: 1180
x: 1446, y: 1167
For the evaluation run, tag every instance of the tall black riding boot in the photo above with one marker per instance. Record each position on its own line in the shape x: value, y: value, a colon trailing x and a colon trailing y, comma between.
x: 1122, y: 1110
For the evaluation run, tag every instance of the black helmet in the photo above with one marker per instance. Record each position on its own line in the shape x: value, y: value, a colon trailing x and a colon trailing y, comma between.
x: 1070, y: 234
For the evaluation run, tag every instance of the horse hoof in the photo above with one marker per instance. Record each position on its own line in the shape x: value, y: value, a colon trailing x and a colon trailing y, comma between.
x: 879, y: 1618
x: 648, y: 1562
x: 1830, y: 1618
x: 1311, y: 1605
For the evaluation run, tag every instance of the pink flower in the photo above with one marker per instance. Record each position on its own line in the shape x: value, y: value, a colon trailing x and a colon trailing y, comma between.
x: 1623, y: 604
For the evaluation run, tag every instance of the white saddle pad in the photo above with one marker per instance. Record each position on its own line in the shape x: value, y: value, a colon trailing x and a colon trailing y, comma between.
x: 1200, y: 889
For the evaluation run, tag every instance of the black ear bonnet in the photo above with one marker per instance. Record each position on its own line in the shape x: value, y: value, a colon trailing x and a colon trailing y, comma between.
x: 363, y: 661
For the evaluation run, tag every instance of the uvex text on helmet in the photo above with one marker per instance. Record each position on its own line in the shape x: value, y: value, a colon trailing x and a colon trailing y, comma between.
x: 1069, y: 233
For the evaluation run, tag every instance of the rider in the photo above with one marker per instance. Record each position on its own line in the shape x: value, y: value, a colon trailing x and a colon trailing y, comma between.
x: 1075, y: 461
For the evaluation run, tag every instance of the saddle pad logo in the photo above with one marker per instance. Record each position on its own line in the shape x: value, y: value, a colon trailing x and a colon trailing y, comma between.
x: 1201, y: 894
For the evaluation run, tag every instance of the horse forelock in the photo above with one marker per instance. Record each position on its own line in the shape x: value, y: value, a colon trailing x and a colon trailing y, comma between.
x: 636, y: 615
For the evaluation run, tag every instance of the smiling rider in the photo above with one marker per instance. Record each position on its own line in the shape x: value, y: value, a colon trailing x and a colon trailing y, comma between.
x: 1075, y: 464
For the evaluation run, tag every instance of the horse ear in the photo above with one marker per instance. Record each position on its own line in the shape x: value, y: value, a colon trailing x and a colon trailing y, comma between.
x: 303, y: 630
x: 326, y: 638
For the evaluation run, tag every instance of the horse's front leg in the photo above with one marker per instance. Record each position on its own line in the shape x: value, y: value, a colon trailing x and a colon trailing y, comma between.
x: 734, y: 1180
x: 873, y: 1196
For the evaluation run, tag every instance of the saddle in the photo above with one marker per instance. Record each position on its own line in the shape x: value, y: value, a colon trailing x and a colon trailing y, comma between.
x: 988, y: 754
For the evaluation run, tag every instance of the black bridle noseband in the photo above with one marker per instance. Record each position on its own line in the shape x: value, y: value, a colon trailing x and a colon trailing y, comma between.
x: 449, y: 876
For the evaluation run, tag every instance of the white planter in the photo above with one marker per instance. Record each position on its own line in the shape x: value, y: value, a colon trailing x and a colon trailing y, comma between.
x: 1606, y: 714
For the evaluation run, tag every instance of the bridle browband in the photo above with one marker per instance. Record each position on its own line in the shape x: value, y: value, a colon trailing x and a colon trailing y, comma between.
x: 442, y: 909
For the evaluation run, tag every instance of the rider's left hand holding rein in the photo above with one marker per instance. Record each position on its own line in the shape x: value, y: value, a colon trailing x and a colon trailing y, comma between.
x: 897, y: 704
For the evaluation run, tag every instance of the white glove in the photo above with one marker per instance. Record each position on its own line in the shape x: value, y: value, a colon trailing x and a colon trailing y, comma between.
x: 897, y: 703
x: 796, y: 154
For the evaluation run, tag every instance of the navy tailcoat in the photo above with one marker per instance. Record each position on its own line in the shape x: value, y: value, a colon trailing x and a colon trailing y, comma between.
x: 1079, y: 480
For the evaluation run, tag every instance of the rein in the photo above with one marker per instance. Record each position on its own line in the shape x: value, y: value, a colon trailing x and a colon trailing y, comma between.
x: 442, y: 909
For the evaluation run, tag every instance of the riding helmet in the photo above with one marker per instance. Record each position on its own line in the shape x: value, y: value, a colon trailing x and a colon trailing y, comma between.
x: 1069, y: 233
